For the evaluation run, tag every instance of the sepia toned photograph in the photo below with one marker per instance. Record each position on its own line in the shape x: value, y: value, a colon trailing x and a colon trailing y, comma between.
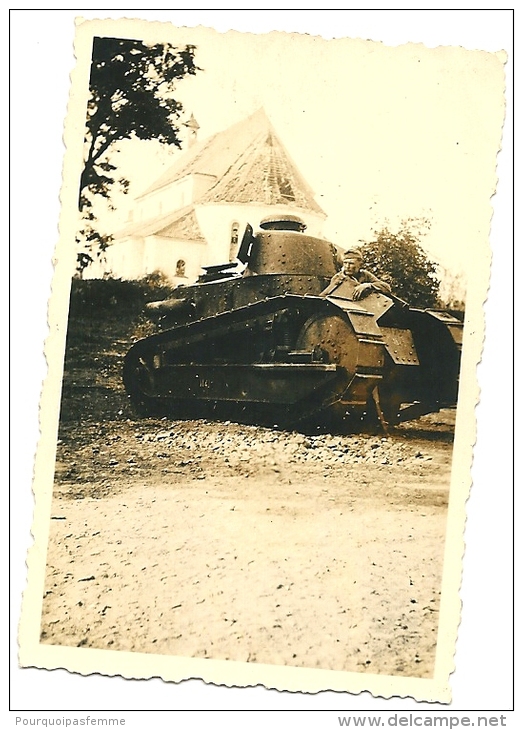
x: 258, y: 423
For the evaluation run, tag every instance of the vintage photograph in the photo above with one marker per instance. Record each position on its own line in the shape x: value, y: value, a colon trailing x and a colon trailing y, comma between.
x: 259, y: 416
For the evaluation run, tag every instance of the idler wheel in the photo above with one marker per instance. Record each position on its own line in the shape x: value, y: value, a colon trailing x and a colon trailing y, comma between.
x: 333, y: 336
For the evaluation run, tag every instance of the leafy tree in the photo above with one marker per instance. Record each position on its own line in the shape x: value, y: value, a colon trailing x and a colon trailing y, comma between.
x: 397, y: 257
x: 131, y: 97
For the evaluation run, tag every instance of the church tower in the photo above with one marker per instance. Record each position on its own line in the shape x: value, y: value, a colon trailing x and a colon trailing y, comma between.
x: 192, y: 127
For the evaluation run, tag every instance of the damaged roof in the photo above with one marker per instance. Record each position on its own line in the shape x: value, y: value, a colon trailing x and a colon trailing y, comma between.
x: 180, y: 223
x: 249, y: 164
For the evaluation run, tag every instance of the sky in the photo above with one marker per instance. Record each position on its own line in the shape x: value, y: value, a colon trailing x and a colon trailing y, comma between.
x: 381, y: 133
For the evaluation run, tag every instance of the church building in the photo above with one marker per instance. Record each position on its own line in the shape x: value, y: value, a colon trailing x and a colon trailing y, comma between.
x: 194, y: 215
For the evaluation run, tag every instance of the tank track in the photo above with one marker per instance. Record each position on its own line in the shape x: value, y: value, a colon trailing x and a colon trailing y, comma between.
x: 287, y: 360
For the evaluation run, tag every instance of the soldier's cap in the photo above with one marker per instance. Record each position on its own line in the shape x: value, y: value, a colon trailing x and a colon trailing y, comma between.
x: 354, y: 252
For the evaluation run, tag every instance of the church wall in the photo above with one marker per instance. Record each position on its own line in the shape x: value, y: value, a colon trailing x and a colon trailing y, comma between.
x: 180, y: 261
x: 125, y: 258
x: 174, y: 196
x: 161, y: 202
x: 133, y: 258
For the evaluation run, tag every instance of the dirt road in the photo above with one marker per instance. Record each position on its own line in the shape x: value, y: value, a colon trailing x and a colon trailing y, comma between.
x: 234, y: 542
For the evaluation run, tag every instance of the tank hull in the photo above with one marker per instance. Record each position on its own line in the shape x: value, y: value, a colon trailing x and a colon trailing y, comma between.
x: 287, y: 357
x: 265, y: 346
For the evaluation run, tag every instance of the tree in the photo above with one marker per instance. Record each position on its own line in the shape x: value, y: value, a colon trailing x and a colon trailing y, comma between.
x: 452, y: 289
x: 131, y: 89
x: 398, y: 258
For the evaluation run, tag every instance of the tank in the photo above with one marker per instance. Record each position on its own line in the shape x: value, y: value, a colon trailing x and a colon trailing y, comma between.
x: 256, y: 341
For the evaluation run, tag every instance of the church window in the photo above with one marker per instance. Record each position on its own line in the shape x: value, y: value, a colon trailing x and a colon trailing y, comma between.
x: 235, y: 231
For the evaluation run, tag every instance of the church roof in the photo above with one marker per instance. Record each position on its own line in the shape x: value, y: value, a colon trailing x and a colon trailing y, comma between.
x: 249, y: 164
x: 177, y: 224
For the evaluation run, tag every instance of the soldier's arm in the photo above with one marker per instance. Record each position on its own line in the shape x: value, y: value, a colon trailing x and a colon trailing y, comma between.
x: 366, y: 277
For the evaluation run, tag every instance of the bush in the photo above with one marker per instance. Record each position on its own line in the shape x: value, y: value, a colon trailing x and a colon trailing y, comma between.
x: 399, y: 259
x: 109, y: 296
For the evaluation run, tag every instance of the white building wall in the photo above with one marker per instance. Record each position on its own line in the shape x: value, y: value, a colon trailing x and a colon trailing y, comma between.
x: 163, y: 254
x: 125, y: 258
x: 174, y: 196
x: 163, y: 201
x: 136, y: 258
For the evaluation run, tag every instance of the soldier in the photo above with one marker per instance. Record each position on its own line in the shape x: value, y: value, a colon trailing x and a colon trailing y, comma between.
x: 366, y: 282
